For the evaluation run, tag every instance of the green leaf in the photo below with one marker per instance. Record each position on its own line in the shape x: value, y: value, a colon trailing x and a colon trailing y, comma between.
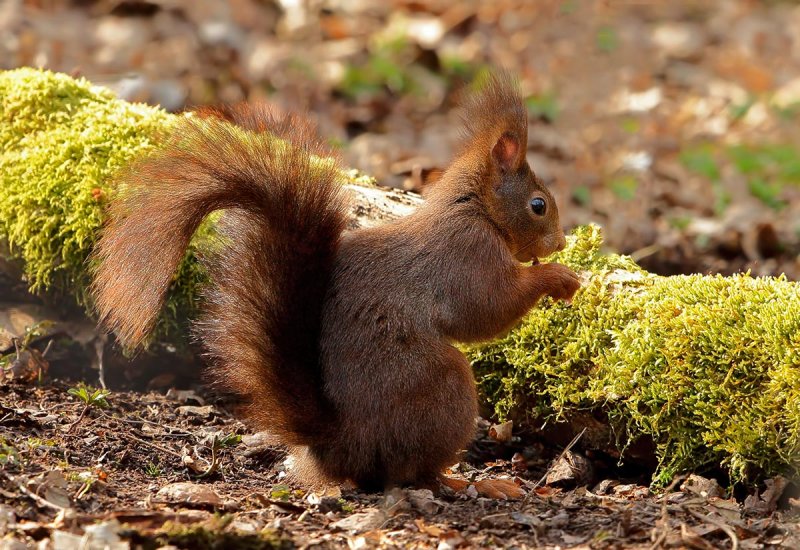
x: 624, y: 187
x: 701, y: 160
x: 606, y: 39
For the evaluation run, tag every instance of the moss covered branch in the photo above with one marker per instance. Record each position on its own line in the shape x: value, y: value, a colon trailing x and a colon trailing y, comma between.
x: 708, y: 367
x: 61, y: 141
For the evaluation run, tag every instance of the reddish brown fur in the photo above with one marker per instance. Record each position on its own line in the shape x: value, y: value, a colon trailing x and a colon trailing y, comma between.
x: 261, y: 315
x: 342, y: 343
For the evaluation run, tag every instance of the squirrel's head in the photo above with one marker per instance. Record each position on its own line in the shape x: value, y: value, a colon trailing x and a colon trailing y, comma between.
x: 520, y: 204
x: 517, y: 202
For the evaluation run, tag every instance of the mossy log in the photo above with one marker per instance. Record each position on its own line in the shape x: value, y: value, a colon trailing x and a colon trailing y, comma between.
x: 705, y: 367
x: 61, y: 141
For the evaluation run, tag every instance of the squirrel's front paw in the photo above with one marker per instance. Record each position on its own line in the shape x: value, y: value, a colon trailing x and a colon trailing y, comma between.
x: 559, y: 281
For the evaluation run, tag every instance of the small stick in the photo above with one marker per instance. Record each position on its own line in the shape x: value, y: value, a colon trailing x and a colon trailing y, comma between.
x: 99, y: 348
x: 80, y: 417
x: 153, y: 445
x: 27, y: 492
x: 556, y: 461
x: 665, y: 514
x: 716, y: 523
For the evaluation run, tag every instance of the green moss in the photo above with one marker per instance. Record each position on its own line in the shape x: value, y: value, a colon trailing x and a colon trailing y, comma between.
x: 61, y: 142
x: 61, y: 138
x: 706, y: 366
x: 214, y: 534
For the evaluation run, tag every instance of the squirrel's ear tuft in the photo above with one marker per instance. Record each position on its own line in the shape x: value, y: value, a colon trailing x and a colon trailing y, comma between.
x: 495, y: 118
x: 506, y: 152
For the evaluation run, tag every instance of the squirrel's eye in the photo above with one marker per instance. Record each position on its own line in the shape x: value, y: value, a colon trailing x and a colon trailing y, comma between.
x: 538, y: 206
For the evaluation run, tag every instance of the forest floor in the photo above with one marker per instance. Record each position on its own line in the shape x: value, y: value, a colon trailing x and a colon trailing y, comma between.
x: 142, y: 468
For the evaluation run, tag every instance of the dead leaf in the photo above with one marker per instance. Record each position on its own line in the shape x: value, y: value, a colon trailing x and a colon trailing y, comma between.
x: 570, y: 470
x: 528, y: 520
x: 572, y: 540
x: 104, y: 535
x: 65, y: 539
x: 190, y: 494
x: 502, y: 432
x: 749, y: 73
x: 52, y: 487
x: 519, y: 463
x: 260, y: 439
x: 185, y: 396
x: 605, y: 486
x: 729, y: 509
x: 422, y: 500
x: 427, y: 528
x: 702, y: 486
x: 331, y: 493
x: 28, y: 365
x: 450, y: 539
x: 547, y: 491
x: 191, y: 410
x: 767, y: 502
x: 7, y: 519
x: 361, y: 521
x: 631, y: 491
x: 693, y: 540
x: 775, y: 489
x: 281, y: 505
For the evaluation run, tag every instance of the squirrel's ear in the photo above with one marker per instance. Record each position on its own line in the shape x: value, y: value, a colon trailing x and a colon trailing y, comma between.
x: 506, y: 152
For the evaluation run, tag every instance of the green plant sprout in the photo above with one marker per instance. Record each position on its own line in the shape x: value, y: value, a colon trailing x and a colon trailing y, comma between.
x: 91, y: 397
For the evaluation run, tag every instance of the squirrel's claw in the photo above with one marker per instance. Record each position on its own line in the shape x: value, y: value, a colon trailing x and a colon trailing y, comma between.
x: 500, y: 489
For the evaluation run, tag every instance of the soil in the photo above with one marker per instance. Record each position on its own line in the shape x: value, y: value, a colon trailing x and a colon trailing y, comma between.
x: 66, y: 466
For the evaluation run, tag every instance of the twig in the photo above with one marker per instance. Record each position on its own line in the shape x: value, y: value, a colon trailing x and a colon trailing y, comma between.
x: 47, y: 347
x: 665, y: 513
x: 556, y: 461
x: 27, y: 492
x: 716, y: 523
x: 175, y: 432
x: 495, y: 516
x: 99, y: 348
x: 80, y: 417
x: 638, y: 255
x: 212, y: 467
x: 153, y: 445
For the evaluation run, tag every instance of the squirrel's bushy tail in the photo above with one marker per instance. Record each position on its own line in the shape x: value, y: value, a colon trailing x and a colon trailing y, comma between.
x: 284, y: 214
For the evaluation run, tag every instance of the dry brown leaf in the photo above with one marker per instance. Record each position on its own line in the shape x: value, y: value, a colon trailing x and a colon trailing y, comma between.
x: 188, y: 494
x: 502, y: 432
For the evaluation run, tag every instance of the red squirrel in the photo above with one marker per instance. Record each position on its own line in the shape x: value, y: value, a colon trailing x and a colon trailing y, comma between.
x: 339, y: 342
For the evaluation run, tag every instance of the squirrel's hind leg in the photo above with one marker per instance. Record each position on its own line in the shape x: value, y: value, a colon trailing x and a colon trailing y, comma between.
x: 307, y: 470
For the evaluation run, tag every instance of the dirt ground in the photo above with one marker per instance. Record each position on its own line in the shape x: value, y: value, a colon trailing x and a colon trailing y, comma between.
x: 144, y: 468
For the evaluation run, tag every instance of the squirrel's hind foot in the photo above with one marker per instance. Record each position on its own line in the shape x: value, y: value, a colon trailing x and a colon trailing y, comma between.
x: 499, y: 489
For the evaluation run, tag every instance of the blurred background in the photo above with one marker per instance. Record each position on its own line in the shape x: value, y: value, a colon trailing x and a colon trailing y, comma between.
x: 674, y: 124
